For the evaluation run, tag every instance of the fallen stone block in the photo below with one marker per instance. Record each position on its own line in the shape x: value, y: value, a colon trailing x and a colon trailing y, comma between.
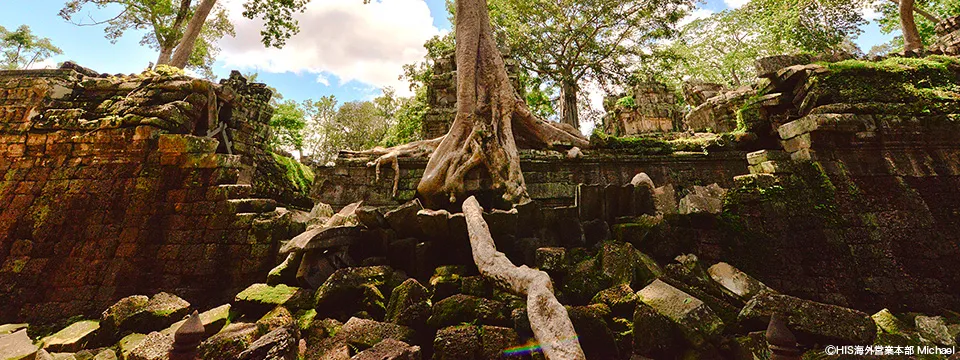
x: 72, y: 338
x: 696, y: 320
x: 279, y: 344
x: 364, y: 333
x: 390, y: 349
x: 934, y: 328
x: 155, y: 346
x: 229, y: 342
x: 354, y: 289
x: 213, y: 321
x: 812, y: 322
x: 461, y: 308
x: 736, y: 281
x: 17, y: 346
x: 469, y: 342
x: 257, y: 299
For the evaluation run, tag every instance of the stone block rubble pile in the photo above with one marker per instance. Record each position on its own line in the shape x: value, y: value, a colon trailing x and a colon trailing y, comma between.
x: 398, y: 283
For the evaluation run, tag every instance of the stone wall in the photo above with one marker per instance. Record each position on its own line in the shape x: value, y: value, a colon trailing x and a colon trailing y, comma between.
x: 654, y: 109
x: 107, y: 191
x: 948, y: 33
x: 551, y: 178
x: 442, y: 93
x: 858, y: 207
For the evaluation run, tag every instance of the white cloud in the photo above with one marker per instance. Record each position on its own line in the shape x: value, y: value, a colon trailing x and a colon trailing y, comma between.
x: 347, y: 39
x: 322, y: 79
x: 696, y: 14
x: 43, y: 64
x: 735, y: 4
x: 870, y: 13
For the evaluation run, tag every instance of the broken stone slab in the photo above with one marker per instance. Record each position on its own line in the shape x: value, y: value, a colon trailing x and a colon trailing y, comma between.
x: 807, y: 319
x: 130, y: 342
x: 696, y: 320
x: 703, y: 199
x: 471, y: 342
x: 460, y: 308
x: 141, y: 314
x: 934, y: 328
x: 17, y: 346
x: 365, y: 333
x: 595, y: 337
x: 72, y: 338
x: 371, y: 217
x: 621, y: 300
x: 403, y: 219
x: 121, y: 312
x: 279, y: 344
x: 665, y: 199
x: 155, y: 346
x: 258, y: 299
x: 277, y: 318
x: 433, y: 223
x: 228, y: 343
x: 737, y: 282
x: 286, y: 271
x: 888, y: 322
x: 322, y: 238
x: 315, y: 267
x: 354, y: 289
x: 409, y: 304
x: 12, y: 328
x: 445, y: 281
x: 213, y: 321
x: 390, y: 349
x: 655, y: 335
x: 551, y: 258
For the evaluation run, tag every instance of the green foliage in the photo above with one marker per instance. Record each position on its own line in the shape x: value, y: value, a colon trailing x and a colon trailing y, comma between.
x: 165, y: 22
x: 818, y: 26
x: 928, y: 83
x: 20, y: 49
x: 288, y: 121
x: 571, y: 41
x: 279, y: 24
x: 408, y: 121
x: 889, y: 21
x: 631, y: 145
x: 627, y: 102
x: 300, y: 175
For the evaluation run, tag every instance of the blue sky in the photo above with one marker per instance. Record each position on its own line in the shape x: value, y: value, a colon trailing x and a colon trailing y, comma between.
x: 345, y: 48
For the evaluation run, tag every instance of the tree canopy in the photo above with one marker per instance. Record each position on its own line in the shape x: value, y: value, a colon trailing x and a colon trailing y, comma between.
x: 20, y: 49
x: 164, y: 22
x: 566, y: 42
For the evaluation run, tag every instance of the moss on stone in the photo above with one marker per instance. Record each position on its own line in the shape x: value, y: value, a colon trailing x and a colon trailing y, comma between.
x: 631, y: 145
x: 297, y: 173
x: 929, y: 83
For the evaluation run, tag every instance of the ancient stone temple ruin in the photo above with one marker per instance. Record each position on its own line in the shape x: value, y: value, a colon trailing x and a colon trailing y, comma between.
x: 822, y: 206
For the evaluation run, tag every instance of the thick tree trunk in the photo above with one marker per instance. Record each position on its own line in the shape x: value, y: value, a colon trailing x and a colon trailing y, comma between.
x: 922, y: 12
x: 483, y: 137
x: 189, y: 39
x: 911, y: 36
x: 165, y: 54
x: 568, y: 104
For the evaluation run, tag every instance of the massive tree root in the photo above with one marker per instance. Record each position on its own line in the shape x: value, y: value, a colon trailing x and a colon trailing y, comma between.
x: 549, y: 320
x: 491, y: 121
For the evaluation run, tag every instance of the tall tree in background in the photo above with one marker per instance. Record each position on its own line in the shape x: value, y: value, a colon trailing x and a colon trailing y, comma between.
x: 893, y: 13
x: 21, y: 49
x: 165, y: 22
x: 568, y: 41
x: 719, y: 49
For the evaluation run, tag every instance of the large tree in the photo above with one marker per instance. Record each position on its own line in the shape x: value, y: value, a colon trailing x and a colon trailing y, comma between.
x: 720, y: 49
x: 569, y: 41
x: 916, y: 31
x: 21, y: 49
x: 165, y: 22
